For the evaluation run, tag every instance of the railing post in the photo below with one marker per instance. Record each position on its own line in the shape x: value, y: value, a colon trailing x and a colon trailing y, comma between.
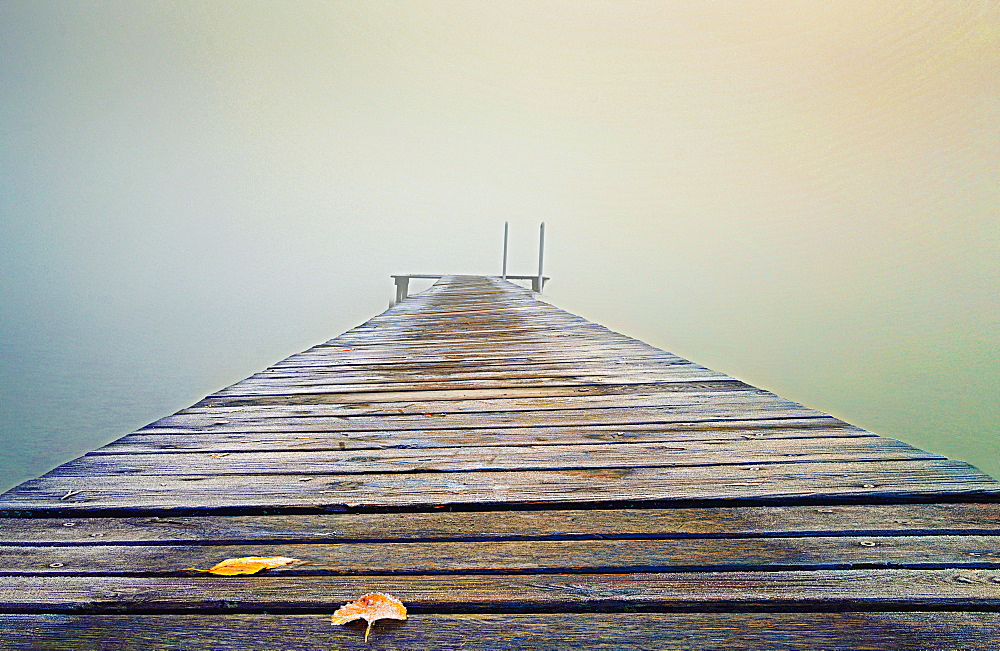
x: 506, y: 226
x: 537, y: 283
x: 402, y: 287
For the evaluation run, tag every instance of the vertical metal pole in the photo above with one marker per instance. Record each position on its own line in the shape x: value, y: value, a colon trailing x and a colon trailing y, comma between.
x: 506, y: 226
x: 541, y: 255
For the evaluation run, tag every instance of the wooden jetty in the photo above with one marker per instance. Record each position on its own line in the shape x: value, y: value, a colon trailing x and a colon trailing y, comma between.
x: 520, y: 478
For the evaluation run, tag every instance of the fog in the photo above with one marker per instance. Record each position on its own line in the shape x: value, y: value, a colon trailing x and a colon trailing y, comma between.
x: 802, y: 194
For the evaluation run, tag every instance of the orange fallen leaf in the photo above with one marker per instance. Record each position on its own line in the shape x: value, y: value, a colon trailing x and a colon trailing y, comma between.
x: 245, y: 565
x: 371, y: 607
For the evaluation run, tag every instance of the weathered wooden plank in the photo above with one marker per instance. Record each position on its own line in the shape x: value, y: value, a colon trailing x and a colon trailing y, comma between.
x: 509, y: 557
x: 487, y: 336
x: 538, y: 332
x: 495, y: 335
x: 869, y: 481
x: 553, y: 341
x: 472, y: 354
x: 531, y: 309
x: 341, y: 383
x: 188, y: 424
x: 522, y: 352
x: 816, y: 589
x: 330, y: 395
x: 968, y: 519
x: 860, y: 520
x: 508, y: 457
x: 524, y: 318
x: 394, y: 394
x: 547, y: 374
x: 146, y: 441
x: 571, y: 398
x: 695, y: 400
x: 505, y: 314
x: 425, y: 341
x: 854, y: 631
x: 511, y: 353
x: 393, y: 321
x: 528, y: 325
x: 457, y: 357
x: 295, y: 366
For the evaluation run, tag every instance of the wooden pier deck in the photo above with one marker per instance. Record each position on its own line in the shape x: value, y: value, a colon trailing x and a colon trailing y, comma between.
x: 520, y: 478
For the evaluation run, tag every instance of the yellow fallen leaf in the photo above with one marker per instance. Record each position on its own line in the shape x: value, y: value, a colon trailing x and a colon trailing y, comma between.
x: 371, y: 607
x: 245, y: 565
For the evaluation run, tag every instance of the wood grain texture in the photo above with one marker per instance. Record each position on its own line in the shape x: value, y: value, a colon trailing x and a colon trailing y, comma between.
x: 695, y: 401
x: 510, y: 457
x: 548, y: 396
x: 757, y: 521
x: 187, y: 426
x: 876, y: 481
x: 374, y: 382
x: 146, y: 441
x: 854, y: 631
x: 508, y: 557
x: 862, y: 589
x: 538, y: 391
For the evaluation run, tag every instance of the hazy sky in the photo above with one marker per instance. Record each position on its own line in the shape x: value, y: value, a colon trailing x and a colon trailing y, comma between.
x: 800, y: 193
